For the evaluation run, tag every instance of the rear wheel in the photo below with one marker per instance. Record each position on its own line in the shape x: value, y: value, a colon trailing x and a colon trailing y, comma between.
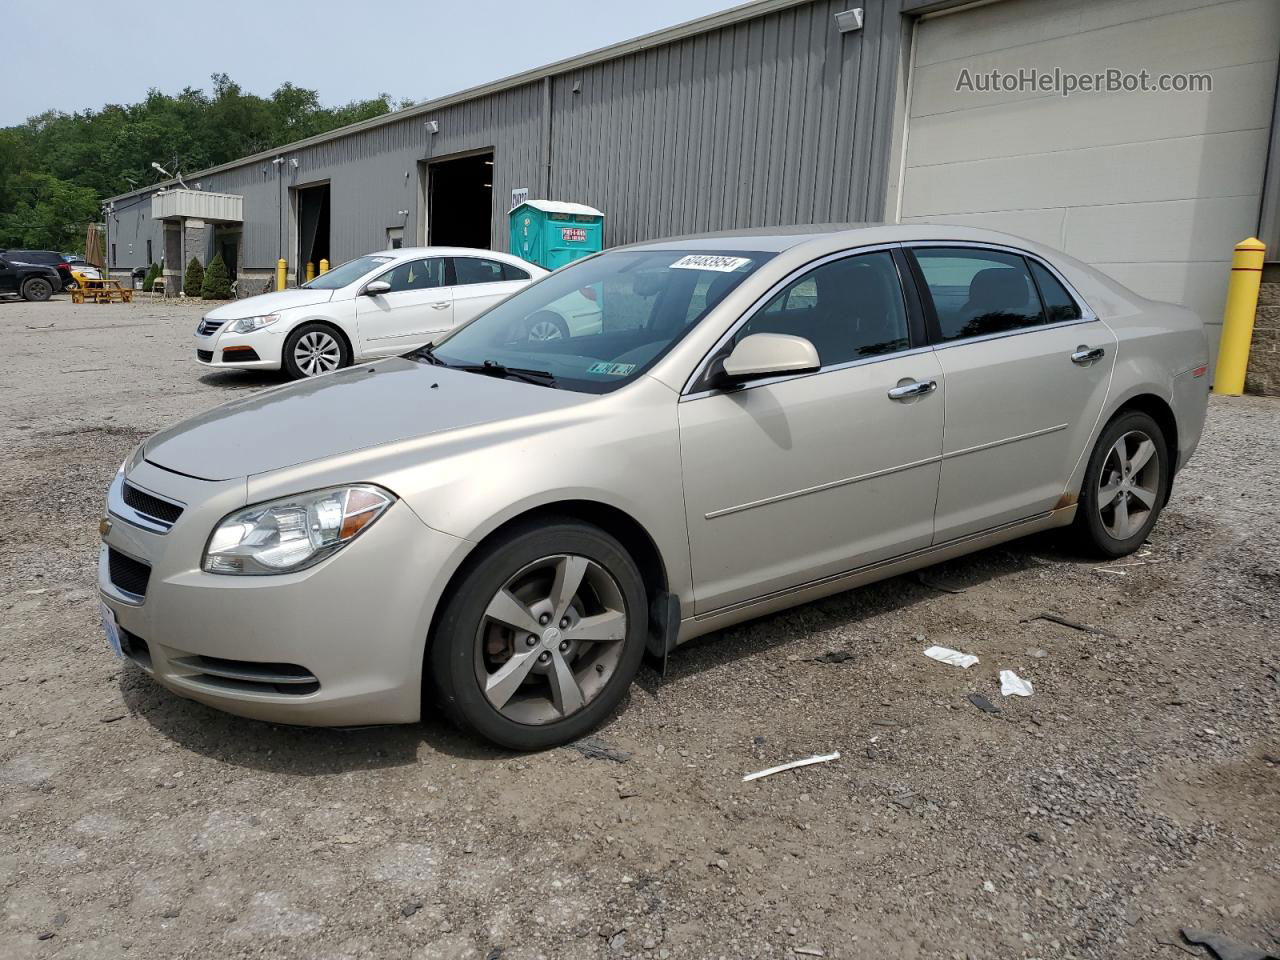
x: 313, y: 349
x: 37, y: 289
x: 541, y: 640
x: 1125, y: 485
x: 545, y: 325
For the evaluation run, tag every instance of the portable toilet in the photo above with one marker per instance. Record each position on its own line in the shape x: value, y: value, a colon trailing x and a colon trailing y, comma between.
x: 552, y: 233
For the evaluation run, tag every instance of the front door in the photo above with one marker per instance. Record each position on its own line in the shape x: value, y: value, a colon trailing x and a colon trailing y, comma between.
x: 417, y: 306
x: 1027, y: 372
x: 8, y: 278
x: 800, y: 478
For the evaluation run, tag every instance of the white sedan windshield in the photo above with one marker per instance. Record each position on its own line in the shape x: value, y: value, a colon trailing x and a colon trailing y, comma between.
x: 349, y: 272
x: 597, y: 324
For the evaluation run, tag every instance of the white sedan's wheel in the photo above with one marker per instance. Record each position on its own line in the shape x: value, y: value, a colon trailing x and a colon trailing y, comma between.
x: 313, y: 349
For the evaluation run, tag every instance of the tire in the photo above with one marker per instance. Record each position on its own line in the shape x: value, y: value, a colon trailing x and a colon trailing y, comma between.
x: 1100, y: 526
x: 545, y: 325
x: 313, y: 349
x: 470, y: 648
x: 37, y: 290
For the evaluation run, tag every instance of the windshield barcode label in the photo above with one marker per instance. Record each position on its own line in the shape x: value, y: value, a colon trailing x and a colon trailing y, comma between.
x: 710, y: 261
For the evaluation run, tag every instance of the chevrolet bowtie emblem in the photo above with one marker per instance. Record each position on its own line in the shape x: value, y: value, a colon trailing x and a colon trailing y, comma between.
x: 104, y: 527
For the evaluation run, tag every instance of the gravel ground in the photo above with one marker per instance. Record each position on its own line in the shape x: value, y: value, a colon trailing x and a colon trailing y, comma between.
x: 1138, y: 790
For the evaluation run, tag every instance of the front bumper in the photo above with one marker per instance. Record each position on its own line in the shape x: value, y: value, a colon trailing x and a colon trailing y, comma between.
x: 225, y: 349
x: 339, y: 644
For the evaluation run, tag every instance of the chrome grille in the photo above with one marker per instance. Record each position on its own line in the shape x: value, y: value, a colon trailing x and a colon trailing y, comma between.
x: 207, y: 327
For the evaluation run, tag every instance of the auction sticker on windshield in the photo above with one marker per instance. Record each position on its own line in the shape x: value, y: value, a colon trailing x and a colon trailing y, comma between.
x: 710, y: 261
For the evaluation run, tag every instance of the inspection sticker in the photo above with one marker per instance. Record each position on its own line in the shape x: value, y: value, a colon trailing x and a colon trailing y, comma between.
x: 612, y: 369
x: 710, y: 261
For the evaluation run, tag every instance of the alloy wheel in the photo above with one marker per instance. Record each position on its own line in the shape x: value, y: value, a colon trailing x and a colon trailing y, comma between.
x: 544, y: 330
x: 550, y: 639
x: 317, y: 352
x: 1128, y: 485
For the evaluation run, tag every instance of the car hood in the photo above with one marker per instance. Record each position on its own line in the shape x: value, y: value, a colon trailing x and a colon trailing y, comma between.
x: 353, y: 409
x: 269, y: 303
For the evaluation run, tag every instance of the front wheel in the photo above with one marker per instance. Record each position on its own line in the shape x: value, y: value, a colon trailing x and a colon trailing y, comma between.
x: 1125, y: 486
x: 542, y: 638
x: 313, y: 349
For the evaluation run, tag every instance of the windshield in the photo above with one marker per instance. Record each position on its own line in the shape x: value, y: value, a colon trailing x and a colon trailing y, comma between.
x: 597, y: 324
x: 349, y: 272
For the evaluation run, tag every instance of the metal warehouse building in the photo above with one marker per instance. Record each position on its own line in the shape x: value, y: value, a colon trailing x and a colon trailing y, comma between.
x: 795, y: 111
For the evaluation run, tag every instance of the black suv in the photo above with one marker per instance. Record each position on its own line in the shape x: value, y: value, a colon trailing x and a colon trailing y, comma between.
x: 28, y: 280
x: 44, y: 258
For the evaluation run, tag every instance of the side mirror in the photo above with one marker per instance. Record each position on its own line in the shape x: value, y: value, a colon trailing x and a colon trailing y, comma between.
x: 765, y: 355
x: 376, y: 288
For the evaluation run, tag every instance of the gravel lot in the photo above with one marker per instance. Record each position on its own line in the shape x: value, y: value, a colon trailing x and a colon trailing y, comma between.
x: 1137, y: 792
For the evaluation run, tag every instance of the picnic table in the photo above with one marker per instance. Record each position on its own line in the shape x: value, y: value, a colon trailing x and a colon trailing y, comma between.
x: 100, y: 291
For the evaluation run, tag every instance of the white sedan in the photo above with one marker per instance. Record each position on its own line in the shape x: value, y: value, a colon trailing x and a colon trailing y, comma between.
x: 377, y: 305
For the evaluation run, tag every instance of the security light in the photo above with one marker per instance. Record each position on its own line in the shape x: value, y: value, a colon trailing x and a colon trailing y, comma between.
x: 849, y: 20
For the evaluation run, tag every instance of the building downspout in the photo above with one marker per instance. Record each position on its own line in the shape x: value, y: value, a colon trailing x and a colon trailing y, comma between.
x: 546, y: 138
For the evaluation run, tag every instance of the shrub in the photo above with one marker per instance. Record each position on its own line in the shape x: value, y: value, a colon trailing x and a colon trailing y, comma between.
x: 149, y: 281
x: 193, y: 278
x: 217, y: 285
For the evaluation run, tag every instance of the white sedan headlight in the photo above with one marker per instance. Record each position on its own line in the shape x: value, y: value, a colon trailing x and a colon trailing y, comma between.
x: 250, y: 324
x: 291, y: 534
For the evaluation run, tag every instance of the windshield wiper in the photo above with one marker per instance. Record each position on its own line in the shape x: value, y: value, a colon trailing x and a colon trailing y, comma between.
x: 543, y: 378
x: 427, y: 352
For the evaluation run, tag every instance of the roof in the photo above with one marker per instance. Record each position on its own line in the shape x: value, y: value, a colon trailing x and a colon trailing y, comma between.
x: 559, y: 206
x: 690, y: 28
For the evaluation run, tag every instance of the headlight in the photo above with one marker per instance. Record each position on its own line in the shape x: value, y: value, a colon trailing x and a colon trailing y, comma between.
x: 294, y: 533
x: 250, y: 324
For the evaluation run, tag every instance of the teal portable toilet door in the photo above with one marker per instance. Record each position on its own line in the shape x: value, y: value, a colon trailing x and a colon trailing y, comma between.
x: 526, y: 233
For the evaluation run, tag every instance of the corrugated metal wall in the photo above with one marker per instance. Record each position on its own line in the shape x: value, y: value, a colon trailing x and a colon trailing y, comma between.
x: 779, y: 119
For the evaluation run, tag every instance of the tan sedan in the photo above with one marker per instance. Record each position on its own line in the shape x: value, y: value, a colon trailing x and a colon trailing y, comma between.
x: 502, y: 525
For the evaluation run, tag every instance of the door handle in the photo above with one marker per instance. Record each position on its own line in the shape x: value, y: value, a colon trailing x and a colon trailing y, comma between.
x: 1084, y: 354
x: 908, y: 390
x: 440, y: 305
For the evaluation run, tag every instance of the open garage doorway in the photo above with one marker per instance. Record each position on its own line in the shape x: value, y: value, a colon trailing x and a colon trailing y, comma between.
x: 313, y: 228
x: 460, y: 201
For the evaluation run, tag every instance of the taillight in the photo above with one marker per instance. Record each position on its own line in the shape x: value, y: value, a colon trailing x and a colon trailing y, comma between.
x: 1199, y: 371
x: 589, y: 293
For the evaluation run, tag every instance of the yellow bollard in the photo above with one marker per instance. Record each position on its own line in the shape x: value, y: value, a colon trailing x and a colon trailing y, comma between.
x: 311, y: 271
x: 324, y: 266
x: 282, y: 268
x: 1237, y: 319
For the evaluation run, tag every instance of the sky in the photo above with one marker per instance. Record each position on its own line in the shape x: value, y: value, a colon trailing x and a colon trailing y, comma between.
x: 107, y: 53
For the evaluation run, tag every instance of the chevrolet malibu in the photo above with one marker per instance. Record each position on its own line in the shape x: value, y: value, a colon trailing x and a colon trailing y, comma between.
x: 374, y: 306
x: 502, y: 525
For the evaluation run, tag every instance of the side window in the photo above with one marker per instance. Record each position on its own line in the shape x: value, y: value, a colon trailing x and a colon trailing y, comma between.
x: 416, y: 275
x: 1059, y: 305
x: 476, y: 270
x: 513, y: 273
x: 978, y: 292
x: 849, y: 309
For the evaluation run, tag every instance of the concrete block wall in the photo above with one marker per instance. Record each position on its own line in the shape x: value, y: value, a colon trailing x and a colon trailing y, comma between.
x: 1264, y: 354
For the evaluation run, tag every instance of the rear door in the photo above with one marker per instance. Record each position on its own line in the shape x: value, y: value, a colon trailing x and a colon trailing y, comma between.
x: 418, y: 305
x: 1027, y: 370
x: 798, y: 478
x: 479, y: 283
x: 8, y: 277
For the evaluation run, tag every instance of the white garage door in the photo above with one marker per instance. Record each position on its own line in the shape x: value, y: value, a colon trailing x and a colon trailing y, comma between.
x: 1154, y: 188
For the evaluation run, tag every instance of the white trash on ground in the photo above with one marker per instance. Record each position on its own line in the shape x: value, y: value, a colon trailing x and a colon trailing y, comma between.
x: 821, y: 758
x: 953, y: 657
x: 1013, y: 685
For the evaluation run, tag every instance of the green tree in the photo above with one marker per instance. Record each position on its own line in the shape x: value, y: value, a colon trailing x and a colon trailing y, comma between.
x: 193, y: 279
x: 149, y: 281
x: 216, y: 285
x: 57, y: 168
